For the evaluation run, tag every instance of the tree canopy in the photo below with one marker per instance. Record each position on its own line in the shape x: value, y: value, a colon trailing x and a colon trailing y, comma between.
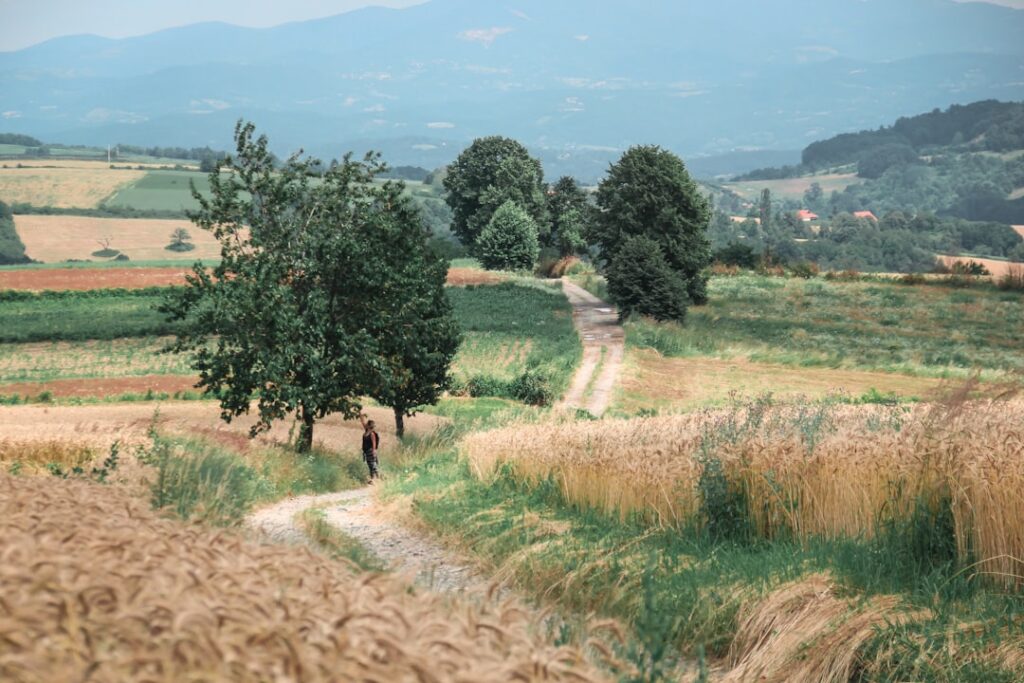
x: 509, y: 242
x: 648, y: 192
x: 487, y: 174
x: 314, y: 303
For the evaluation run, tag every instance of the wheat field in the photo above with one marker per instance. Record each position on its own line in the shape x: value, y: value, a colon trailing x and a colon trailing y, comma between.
x: 803, y: 470
x: 69, y: 187
x: 97, y: 587
x: 52, y: 239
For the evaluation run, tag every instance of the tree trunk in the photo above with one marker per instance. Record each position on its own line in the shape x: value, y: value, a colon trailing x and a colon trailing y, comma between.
x: 399, y: 422
x: 305, y: 442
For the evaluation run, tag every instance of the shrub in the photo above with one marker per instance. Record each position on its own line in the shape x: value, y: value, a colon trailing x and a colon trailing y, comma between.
x: 1013, y: 278
x: 848, y: 275
x: 509, y: 241
x: 737, y: 254
x: 640, y: 281
x: 805, y: 269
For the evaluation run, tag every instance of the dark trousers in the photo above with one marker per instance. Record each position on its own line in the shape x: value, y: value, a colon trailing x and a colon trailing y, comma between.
x: 371, y: 462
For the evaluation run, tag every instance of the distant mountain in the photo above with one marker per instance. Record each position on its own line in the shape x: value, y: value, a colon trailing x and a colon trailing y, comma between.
x: 577, y: 83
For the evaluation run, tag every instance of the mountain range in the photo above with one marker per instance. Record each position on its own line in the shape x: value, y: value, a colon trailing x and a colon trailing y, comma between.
x: 731, y: 84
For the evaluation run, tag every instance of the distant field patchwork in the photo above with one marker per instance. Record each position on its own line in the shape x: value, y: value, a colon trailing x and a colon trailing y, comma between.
x: 793, y: 188
x: 52, y: 239
x: 70, y: 187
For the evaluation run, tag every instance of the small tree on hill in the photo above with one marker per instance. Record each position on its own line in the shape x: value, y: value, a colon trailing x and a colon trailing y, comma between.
x: 181, y: 241
x: 487, y: 174
x: 648, y: 192
x: 509, y: 242
x: 641, y: 281
x: 307, y: 310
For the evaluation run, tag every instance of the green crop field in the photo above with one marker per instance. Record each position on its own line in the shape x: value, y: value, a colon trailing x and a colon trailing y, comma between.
x: 508, y: 330
x: 161, y: 191
x: 10, y: 150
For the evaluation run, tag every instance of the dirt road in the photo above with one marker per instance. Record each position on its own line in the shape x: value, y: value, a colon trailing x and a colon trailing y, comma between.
x: 603, y: 348
x: 355, y: 513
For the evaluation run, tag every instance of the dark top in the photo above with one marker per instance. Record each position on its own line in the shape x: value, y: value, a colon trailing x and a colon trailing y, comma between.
x: 370, y: 442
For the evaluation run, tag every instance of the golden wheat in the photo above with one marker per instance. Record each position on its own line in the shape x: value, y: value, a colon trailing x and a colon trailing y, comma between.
x: 95, y: 586
x: 806, y: 472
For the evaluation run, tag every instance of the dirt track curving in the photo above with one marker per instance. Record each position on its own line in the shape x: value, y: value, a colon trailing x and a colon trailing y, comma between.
x: 603, y: 349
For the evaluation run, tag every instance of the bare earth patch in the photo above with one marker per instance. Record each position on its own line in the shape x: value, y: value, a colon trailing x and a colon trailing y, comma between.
x: 1019, y: 229
x: 460, y: 277
x: 101, y: 387
x: 653, y: 382
x: 75, y: 187
x: 603, y: 348
x: 52, y: 239
x: 81, y: 279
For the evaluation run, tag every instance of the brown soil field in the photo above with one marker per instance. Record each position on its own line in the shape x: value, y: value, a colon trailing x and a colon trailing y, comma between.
x: 115, y: 386
x: 134, y: 278
x: 1019, y: 229
x: 460, y: 277
x: 997, y: 268
x: 100, y: 425
x: 91, y: 278
x: 52, y: 239
x: 649, y: 380
x: 66, y: 187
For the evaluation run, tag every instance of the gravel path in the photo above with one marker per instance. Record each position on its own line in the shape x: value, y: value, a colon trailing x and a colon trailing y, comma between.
x: 603, y: 349
x: 428, y: 563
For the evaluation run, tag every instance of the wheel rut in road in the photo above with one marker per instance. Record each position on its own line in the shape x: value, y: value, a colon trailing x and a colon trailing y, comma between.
x: 597, y: 323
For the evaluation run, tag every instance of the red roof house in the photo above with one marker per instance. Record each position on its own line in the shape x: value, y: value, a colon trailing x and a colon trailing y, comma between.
x: 806, y: 216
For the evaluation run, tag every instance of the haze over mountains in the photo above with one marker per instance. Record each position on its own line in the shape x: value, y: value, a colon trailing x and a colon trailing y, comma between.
x: 575, y: 80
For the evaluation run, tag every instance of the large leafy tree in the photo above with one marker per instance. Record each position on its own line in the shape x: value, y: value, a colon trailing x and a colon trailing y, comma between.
x: 306, y: 308
x: 487, y: 174
x: 648, y: 192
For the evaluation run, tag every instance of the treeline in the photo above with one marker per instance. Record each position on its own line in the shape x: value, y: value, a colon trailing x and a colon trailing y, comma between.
x: 206, y: 157
x: 897, y: 242
x: 18, y: 139
x: 12, y: 249
x: 988, y: 125
x: 969, y: 186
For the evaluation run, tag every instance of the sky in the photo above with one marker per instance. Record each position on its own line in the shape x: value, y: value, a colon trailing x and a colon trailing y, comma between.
x: 27, y: 22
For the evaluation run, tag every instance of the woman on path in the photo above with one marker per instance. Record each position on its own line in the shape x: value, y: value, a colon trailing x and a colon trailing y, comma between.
x: 371, y: 442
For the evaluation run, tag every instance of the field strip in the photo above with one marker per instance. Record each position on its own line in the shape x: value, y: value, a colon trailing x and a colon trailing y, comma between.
x: 353, y: 512
x: 599, y: 328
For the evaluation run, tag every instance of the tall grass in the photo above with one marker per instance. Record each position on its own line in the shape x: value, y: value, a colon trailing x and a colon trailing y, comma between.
x: 799, y: 472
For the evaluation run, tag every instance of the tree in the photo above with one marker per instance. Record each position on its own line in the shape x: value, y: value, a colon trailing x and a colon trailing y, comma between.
x: 764, y: 210
x: 814, y: 197
x: 649, y: 192
x: 420, y: 337
x: 641, y: 281
x: 487, y: 174
x: 307, y: 310
x: 509, y: 242
x: 180, y: 241
x: 568, y: 208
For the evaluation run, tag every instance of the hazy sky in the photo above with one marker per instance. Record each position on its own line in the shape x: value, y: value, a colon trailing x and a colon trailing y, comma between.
x: 26, y: 22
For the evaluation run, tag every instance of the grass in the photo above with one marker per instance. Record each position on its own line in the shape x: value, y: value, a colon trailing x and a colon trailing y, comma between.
x: 336, y: 543
x: 93, y: 359
x: 793, y: 188
x: 927, y: 331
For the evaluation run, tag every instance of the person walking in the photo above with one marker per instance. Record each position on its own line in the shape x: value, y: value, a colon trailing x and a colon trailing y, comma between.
x: 371, y: 442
